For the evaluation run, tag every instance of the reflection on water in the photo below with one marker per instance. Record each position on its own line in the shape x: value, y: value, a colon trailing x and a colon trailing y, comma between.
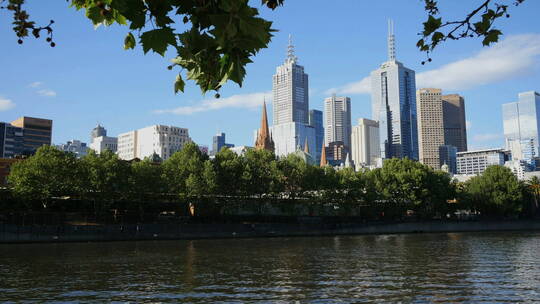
x: 453, y: 267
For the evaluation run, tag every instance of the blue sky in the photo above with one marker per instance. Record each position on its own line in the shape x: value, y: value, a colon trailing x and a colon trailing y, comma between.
x: 89, y: 78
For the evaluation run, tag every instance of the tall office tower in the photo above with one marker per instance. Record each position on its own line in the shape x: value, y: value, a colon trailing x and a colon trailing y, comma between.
x: 455, y: 126
x: 393, y: 88
x: 337, y: 120
x: 157, y: 139
x: 365, y: 148
x: 290, y: 89
x: 37, y: 132
x: 97, y: 132
x: 316, y: 121
x: 11, y: 140
x: 218, y: 142
x: 430, y: 126
x: 521, y: 121
x: 290, y: 107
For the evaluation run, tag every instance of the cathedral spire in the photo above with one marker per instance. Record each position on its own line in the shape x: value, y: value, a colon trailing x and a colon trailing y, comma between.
x: 306, y: 146
x: 264, y: 139
x: 323, y: 156
x: 391, y: 41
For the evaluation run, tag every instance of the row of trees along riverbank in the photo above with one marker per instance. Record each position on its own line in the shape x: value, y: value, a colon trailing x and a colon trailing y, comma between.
x: 54, y: 181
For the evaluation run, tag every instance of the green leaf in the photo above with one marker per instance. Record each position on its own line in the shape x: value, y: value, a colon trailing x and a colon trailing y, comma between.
x: 158, y: 40
x: 491, y: 36
x: 431, y: 25
x: 129, y: 41
x: 179, y: 84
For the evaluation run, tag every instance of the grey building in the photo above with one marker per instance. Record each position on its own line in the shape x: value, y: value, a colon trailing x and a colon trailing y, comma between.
x: 337, y: 120
x: 74, y: 146
x: 316, y: 121
x: 97, y: 132
x: 393, y: 90
x: 455, y: 124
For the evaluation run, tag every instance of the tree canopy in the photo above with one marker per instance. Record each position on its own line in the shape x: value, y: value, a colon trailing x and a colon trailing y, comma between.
x: 214, y: 40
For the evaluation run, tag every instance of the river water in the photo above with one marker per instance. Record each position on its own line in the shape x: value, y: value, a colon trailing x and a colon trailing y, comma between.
x: 419, y: 268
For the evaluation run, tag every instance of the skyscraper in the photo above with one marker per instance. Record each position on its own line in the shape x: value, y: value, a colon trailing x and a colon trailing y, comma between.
x: 337, y: 120
x: 291, y: 107
x: 290, y: 90
x: 316, y: 121
x: 365, y: 143
x: 521, y: 122
x: 430, y: 126
x: 455, y: 126
x: 393, y: 88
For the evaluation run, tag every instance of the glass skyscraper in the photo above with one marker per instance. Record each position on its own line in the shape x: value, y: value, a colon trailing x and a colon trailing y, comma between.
x: 393, y: 89
x: 521, y: 125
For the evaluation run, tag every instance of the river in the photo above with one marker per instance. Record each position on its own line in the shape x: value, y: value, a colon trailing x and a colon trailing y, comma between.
x: 409, y: 268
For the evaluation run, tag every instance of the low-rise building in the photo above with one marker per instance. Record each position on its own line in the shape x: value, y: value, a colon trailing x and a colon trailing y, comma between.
x: 159, y: 139
x: 74, y: 146
x: 476, y: 162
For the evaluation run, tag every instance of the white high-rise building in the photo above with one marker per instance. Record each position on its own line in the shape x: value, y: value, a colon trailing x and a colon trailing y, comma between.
x: 365, y: 143
x: 159, y: 139
x: 337, y: 120
x: 393, y: 97
x: 291, y: 107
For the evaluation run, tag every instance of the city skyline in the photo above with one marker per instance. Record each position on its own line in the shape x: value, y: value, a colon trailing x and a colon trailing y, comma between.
x: 76, y: 107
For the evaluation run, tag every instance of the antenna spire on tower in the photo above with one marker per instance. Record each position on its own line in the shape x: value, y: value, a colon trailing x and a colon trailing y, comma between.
x: 391, y: 41
x: 290, y: 50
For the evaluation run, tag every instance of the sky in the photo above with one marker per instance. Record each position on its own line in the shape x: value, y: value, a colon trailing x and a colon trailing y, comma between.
x: 88, y: 78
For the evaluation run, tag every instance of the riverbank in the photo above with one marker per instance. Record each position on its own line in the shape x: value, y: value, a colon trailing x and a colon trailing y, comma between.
x: 172, y: 231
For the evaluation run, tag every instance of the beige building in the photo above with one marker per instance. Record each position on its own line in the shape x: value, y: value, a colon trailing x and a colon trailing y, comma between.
x: 455, y: 127
x: 365, y: 148
x: 429, y: 109
x: 37, y: 132
x: 157, y: 139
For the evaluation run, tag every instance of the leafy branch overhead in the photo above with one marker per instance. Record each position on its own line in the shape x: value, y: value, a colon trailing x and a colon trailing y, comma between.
x: 478, y: 23
x: 214, y: 40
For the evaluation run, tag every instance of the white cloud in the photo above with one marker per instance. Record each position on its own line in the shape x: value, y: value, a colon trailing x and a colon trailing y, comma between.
x: 487, y: 137
x: 468, y: 125
x: 360, y: 87
x: 512, y: 57
x: 6, y: 104
x: 36, y: 84
x: 242, y: 101
x: 47, y: 92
